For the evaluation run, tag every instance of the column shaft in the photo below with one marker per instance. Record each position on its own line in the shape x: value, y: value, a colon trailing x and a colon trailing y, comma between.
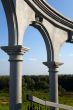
x: 53, y: 85
x: 15, y: 83
x: 53, y: 81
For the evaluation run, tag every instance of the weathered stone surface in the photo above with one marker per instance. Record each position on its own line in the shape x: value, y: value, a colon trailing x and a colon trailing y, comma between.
x: 25, y: 15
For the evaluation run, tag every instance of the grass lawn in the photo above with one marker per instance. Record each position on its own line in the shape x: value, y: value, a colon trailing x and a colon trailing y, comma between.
x: 4, y: 97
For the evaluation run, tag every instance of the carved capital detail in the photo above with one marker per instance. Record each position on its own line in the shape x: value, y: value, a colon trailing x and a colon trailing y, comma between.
x: 12, y: 50
x: 15, y: 52
x: 52, y: 64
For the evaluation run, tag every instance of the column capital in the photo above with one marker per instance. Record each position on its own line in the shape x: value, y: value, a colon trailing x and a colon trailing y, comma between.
x: 52, y: 64
x: 14, y: 50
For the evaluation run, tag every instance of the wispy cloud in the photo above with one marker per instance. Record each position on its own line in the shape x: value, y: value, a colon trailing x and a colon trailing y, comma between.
x: 71, y: 55
x: 66, y: 55
x: 60, y: 55
x: 33, y: 59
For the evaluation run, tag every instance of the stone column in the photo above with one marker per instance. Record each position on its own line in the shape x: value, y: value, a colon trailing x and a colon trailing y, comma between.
x: 16, y: 58
x: 53, y: 81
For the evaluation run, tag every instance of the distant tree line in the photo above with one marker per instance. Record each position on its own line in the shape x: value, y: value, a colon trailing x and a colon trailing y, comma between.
x: 40, y: 82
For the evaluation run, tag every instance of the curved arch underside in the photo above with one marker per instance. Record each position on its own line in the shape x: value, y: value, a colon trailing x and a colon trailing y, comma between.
x: 46, y: 38
x: 11, y: 21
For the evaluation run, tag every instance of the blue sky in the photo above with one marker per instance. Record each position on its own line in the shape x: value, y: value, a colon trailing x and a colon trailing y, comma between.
x: 37, y: 53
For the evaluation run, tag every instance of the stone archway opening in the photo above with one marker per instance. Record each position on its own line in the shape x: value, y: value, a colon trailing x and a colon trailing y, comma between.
x: 37, y: 53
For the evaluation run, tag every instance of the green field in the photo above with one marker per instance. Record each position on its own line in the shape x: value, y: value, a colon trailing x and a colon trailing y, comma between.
x: 4, y: 99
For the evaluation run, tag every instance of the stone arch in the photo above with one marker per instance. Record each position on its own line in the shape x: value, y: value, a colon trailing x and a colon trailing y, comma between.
x: 47, y: 40
x: 11, y: 22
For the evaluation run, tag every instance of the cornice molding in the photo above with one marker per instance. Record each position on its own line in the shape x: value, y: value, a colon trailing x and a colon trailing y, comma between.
x: 47, y: 12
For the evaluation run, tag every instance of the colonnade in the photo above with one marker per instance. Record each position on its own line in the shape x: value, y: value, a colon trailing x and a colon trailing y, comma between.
x: 55, y: 30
